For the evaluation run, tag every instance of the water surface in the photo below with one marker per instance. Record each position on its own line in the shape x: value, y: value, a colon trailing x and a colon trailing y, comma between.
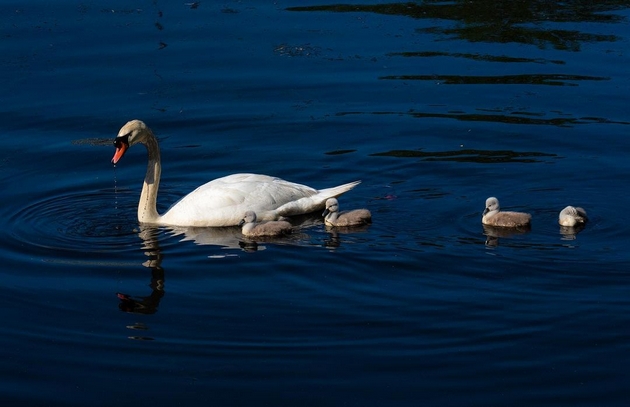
x: 435, y: 106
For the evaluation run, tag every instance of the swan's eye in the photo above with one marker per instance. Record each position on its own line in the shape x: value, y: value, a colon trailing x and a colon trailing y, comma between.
x: 119, y: 141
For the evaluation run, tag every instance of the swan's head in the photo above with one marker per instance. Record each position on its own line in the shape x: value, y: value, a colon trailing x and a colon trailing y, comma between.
x: 135, y: 131
x: 492, y: 204
x: 332, y: 205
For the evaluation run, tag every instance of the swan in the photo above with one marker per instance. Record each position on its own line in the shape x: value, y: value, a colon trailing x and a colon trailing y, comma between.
x: 571, y: 216
x: 271, y: 228
x: 223, y: 201
x: 332, y: 216
x: 493, y: 216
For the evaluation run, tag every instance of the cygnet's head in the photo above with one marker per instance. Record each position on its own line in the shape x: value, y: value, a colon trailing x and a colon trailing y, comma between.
x: 492, y: 204
x: 250, y: 217
x: 332, y: 205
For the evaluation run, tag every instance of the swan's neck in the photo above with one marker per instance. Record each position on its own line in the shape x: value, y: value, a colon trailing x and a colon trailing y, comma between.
x: 147, y: 210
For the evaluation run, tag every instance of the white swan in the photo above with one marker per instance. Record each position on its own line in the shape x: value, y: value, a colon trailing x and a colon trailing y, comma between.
x: 356, y: 217
x: 493, y: 216
x: 571, y: 216
x: 223, y: 201
x: 271, y: 228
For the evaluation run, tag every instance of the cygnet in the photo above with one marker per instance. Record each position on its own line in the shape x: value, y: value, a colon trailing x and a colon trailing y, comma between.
x: 571, y: 216
x: 332, y: 216
x: 271, y: 228
x: 493, y: 216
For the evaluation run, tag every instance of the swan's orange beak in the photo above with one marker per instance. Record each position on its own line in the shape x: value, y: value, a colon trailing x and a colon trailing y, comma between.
x: 121, y: 147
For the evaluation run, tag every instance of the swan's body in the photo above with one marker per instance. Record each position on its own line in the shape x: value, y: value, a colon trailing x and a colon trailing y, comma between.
x: 356, y: 217
x: 571, y: 216
x: 223, y: 201
x: 271, y: 228
x: 493, y: 216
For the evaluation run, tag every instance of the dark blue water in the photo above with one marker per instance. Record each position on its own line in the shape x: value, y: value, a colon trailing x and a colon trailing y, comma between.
x: 434, y: 105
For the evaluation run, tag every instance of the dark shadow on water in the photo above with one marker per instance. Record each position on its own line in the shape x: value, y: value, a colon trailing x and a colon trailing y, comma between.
x: 525, y: 79
x: 476, y: 57
x: 501, y: 21
x: 508, y: 117
x: 469, y: 155
x: 339, y: 152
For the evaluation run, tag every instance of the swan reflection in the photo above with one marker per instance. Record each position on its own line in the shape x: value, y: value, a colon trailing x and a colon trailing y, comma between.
x: 493, y: 233
x: 223, y: 238
x: 147, y: 304
x: 335, y: 234
x: 232, y: 238
x: 571, y: 232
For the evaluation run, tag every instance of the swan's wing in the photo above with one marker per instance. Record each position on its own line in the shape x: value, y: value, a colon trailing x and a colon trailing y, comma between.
x: 316, y: 202
x: 223, y: 201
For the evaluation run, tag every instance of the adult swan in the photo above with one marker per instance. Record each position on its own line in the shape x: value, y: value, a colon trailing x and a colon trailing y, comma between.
x: 224, y: 201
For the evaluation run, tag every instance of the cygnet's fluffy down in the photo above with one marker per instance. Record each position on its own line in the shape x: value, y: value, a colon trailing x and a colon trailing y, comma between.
x: 271, y: 228
x: 332, y: 216
x: 571, y: 216
x: 493, y: 216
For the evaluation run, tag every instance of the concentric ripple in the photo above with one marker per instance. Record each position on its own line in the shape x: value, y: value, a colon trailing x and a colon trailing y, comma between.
x: 79, y: 222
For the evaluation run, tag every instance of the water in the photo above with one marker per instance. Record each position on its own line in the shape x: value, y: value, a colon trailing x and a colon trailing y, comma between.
x: 434, y: 105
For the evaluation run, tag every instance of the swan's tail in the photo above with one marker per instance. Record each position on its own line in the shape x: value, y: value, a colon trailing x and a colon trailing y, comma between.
x: 315, y: 202
x: 334, y: 192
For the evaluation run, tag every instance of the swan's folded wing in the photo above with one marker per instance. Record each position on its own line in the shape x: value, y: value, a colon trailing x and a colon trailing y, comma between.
x: 316, y: 202
x: 222, y: 202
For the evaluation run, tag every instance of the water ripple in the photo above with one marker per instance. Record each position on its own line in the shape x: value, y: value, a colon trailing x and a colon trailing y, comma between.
x: 80, y: 222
